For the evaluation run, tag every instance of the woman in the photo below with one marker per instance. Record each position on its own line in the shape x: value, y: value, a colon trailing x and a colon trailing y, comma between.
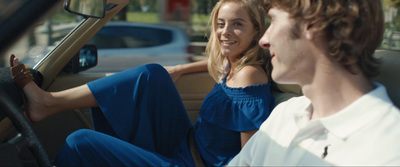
x: 139, y: 117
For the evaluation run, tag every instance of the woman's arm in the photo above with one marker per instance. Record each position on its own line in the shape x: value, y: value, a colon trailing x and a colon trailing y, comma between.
x: 249, y: 75
x: 245, y: 136
x: 177, y: 71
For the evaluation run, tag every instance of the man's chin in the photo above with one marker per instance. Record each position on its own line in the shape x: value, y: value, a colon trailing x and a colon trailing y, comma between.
x: 280, y: 79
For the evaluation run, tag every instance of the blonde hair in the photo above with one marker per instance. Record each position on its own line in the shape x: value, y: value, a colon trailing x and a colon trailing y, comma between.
x: 254, y: 55
x: 352, y: 29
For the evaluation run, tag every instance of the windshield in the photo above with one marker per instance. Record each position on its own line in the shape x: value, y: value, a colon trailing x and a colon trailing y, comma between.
x: 41, y: 39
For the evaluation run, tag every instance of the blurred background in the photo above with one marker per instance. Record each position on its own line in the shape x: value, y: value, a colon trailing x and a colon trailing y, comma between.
x: 188, y: 16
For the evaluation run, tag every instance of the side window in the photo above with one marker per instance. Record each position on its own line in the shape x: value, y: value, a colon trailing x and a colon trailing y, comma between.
x: 113, y: 37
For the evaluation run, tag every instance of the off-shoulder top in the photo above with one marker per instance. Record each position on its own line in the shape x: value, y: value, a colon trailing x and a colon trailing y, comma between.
x: 226, y: 112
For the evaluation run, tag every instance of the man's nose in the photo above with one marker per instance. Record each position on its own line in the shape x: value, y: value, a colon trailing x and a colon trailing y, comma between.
x: 264, y: 41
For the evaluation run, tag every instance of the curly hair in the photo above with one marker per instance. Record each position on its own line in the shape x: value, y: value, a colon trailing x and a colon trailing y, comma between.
x: 352, y: 29
x: 255, y: 55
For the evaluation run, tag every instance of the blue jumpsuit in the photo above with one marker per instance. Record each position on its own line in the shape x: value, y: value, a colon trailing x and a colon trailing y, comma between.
x: 141, y: 121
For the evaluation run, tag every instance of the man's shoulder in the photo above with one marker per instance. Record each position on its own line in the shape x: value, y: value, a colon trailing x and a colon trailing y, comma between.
x: 285, y: 111
x: 297, y: 103
x: 290, y: 107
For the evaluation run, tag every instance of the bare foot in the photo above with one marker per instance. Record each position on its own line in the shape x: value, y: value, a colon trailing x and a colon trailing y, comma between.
x: 36, y: 99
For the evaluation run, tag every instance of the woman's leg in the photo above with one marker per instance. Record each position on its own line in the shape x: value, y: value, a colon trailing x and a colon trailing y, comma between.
x: 142, y: 120
x: 91, y: 148
x: 141, y: 106
x: 43, y: 104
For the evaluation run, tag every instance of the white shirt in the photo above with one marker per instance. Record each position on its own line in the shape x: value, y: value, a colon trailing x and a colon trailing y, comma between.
x: 367, y: 132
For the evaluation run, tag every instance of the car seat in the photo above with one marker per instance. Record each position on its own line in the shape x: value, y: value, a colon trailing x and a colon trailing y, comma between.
x: 390, y: 65
x: 389, y: 76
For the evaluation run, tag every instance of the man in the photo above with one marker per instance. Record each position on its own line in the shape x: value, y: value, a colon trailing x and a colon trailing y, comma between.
x: 326, y: 47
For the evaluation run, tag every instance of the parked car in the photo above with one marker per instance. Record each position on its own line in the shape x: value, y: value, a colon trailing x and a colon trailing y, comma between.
x: 44, y: 139
x: 123, y: 45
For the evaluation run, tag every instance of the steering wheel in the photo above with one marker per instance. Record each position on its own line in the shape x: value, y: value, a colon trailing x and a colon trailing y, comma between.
x: 10, y: 102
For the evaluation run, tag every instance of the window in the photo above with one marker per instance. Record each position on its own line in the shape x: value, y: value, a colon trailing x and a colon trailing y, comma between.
x: 130, y: 37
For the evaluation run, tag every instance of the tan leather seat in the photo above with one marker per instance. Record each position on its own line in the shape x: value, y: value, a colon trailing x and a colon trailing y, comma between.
x: 285, y: 92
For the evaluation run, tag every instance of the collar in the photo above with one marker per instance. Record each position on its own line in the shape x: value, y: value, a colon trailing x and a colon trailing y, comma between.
x: 359, y: 113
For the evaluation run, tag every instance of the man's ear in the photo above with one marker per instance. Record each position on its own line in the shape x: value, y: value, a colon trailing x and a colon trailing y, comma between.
x: 309, y: 31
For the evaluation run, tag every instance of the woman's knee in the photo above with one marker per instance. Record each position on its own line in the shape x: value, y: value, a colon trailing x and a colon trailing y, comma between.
x: 156, y: 72
x: 80, y: 137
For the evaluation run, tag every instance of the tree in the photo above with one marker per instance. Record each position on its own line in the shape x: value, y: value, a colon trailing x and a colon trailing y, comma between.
x: 392, y: 6
x: 205, y: 6
x: 396, y: 3
x: 121, y: 15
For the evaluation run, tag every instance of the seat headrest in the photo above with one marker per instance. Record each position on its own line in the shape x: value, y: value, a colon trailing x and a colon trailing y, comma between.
x: 389, y: 75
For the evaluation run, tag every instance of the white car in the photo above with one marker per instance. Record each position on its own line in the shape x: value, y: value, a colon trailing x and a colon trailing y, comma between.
x: 123, y: 45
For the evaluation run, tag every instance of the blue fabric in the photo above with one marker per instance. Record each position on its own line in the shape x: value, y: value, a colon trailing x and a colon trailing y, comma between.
x: 91, y: 148
x: 141, y: 107
x: 224, y: 114
x: 141, y: 121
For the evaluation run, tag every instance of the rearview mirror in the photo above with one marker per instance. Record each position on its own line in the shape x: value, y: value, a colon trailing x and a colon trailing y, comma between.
x: 87, y: 8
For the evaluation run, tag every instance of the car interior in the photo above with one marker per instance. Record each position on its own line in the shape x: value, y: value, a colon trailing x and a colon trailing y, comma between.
x: 54, y: 74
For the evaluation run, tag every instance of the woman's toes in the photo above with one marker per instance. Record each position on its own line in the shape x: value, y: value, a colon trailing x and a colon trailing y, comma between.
x: 16, y: 61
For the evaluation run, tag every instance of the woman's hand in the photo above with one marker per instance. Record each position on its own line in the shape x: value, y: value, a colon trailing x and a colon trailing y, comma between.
x: 174, y: 71
x: 177, y: 71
